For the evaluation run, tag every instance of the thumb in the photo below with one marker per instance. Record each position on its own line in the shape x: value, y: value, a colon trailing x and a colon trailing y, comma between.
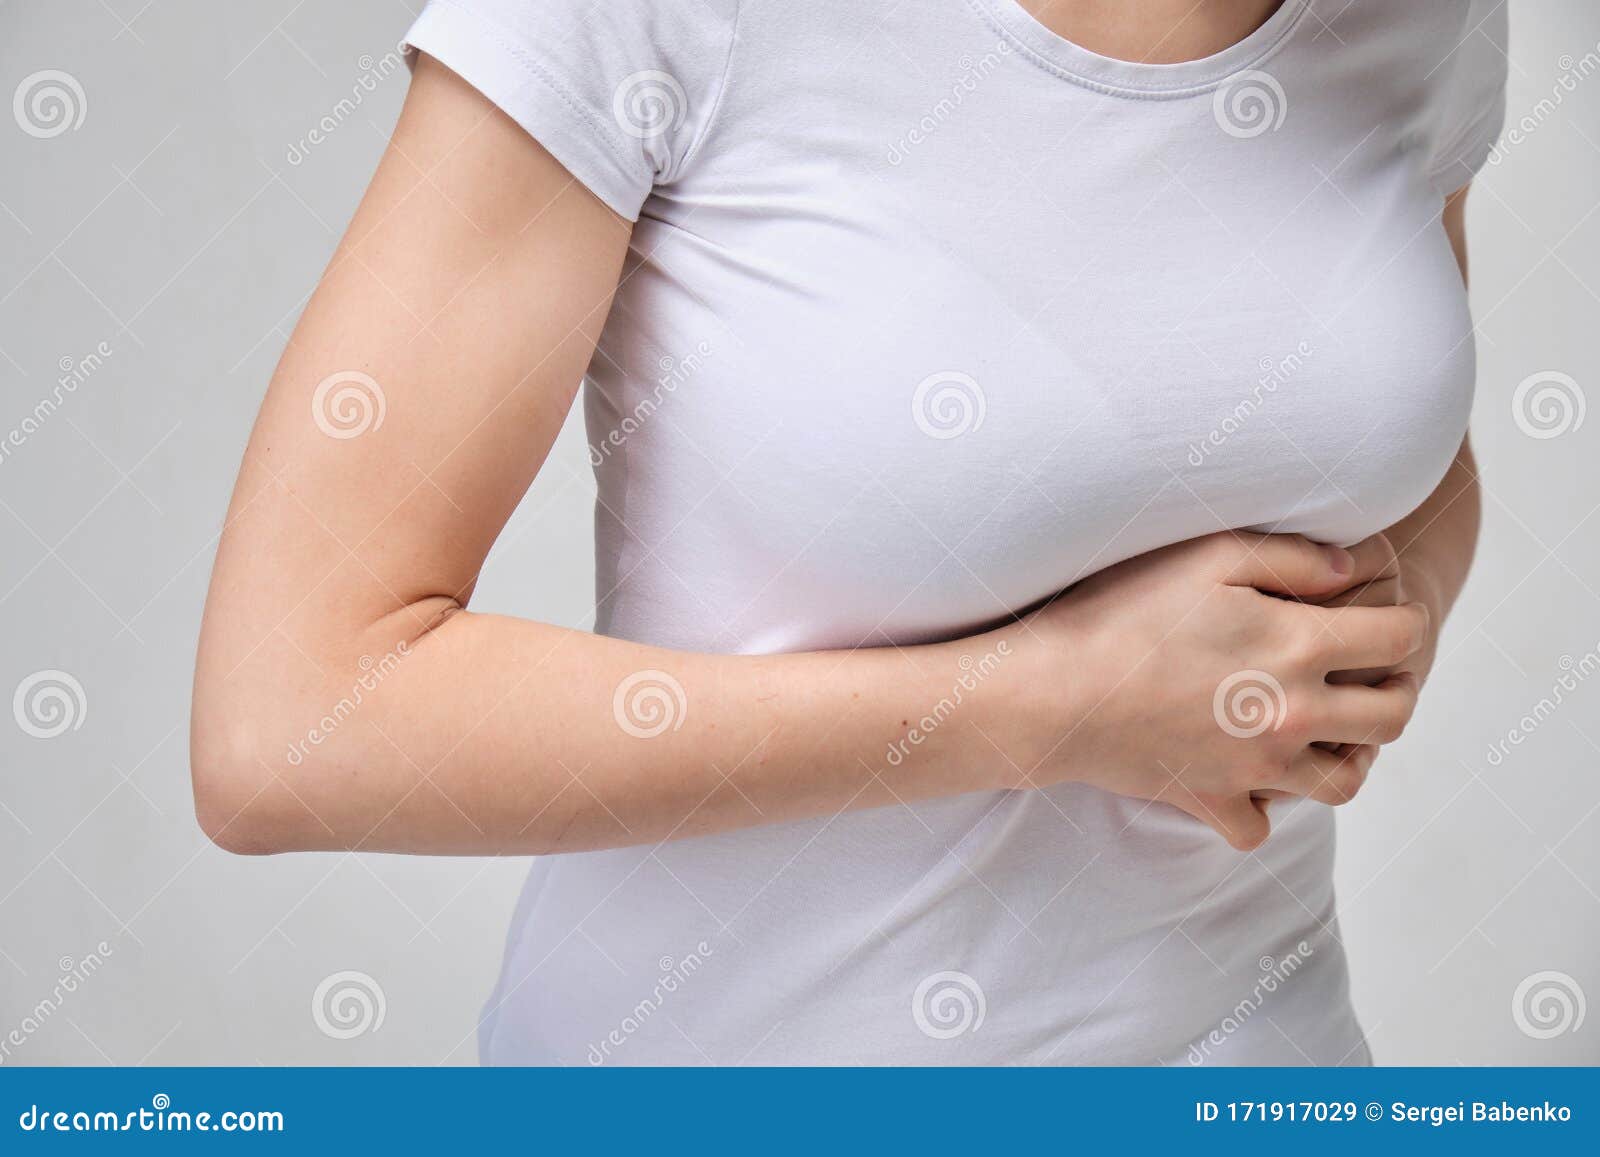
x: 1291, y: 565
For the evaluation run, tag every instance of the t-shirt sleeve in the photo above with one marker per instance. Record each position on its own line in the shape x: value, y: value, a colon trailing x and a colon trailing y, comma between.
x: 620, y: 92
x: 1471, y: 97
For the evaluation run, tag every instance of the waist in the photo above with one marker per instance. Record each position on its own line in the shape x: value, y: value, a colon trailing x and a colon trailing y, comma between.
x: 1068, y: 926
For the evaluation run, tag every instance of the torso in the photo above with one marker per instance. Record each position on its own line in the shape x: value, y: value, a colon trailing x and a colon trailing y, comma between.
x: 953, y: 316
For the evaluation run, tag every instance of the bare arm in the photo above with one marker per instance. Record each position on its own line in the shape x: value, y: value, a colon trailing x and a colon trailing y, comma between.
x: 344, y: 698
x: 471, y: 288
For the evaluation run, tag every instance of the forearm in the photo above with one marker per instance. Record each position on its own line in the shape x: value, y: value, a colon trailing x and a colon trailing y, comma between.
x: 1437, y: 541
x: 494, y: 735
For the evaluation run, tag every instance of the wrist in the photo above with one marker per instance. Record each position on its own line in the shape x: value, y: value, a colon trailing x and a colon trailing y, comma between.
x: 1038, y: 696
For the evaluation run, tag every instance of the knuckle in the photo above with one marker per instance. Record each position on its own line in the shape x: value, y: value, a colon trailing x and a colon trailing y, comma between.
x: 1341, y: 784
x: 1246, y: 774
x: 1315, y: 649
x: 1225, y: 552
x: 1403, y: 637
x: 1348, y: 780
x: 1383, y: 550
x: 1246, y: 839
x: 1398, y: 718
x: 1298, y: 722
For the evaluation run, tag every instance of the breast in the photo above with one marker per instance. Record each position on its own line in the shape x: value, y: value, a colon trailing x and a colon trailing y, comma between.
x: 901, y: 436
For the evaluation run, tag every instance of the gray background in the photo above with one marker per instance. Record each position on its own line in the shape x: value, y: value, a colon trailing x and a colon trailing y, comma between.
x: 184, y: 222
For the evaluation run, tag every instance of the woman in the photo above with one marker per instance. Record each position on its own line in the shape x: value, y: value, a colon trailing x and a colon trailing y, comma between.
x: 899, y: 321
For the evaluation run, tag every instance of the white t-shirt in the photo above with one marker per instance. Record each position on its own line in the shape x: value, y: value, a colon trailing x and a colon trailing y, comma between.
x: 930, y: 313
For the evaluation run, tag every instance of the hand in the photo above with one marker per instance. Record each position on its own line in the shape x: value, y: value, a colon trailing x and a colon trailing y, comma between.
x: 1186, y: 681
x: 1380, y: 580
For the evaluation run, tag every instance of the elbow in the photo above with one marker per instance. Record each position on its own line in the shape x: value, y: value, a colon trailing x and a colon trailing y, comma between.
x: 242, y: 802
x: 228, y: 791
x: 228, y: 828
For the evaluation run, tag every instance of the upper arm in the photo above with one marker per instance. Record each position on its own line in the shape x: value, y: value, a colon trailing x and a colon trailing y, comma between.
x: 418, y: 395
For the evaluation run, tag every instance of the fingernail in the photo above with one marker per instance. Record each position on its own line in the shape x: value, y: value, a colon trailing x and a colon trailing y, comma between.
x: 1342, y: 561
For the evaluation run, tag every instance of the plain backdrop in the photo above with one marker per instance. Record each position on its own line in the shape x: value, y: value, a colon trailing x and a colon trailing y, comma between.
x: 182, y: 224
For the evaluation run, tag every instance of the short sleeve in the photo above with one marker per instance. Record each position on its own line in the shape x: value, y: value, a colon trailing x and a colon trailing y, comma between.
x: 1470, y: 97
x: 620, y: 92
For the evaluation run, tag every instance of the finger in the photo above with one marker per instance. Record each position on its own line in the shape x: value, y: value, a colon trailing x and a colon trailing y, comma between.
x: 1375, y: 560
x: 1289, y: 564
x: 1357, y: 637
x: 1370, y: 714
x: 1240, y: 820
x: 1380, y: 592
x: 1330, y: 777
